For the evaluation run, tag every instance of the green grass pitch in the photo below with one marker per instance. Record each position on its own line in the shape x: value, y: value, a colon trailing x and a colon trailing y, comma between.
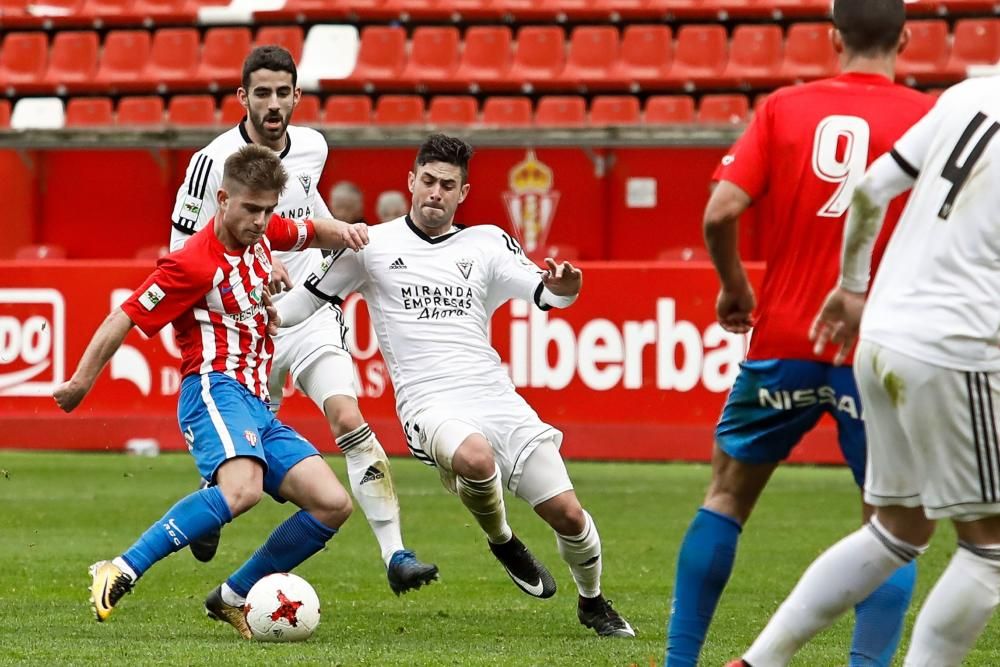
x: 60, y: 512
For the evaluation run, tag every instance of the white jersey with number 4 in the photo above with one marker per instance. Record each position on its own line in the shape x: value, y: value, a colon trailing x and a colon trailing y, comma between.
x: 304, y: 158
x: 936, y: 296
x: 430, y: 301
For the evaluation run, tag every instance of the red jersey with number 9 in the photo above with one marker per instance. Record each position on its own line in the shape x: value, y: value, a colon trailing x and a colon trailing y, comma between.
x: 799, y: 160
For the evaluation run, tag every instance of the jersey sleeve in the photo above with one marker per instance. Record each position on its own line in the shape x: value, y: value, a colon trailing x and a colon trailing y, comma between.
x: 340, y: 274
x: 913, y: 148
x: 746, y: 165
x: 513, y: 275
x: 286, y: 234
x: 196, y: 203
x: 320, y: 209
x: 171, y: 290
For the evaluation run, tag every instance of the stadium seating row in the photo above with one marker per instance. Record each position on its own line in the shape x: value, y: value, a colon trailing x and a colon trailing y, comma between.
x: 596, y: 58
x: 27, y: 13
x: 443, y: 110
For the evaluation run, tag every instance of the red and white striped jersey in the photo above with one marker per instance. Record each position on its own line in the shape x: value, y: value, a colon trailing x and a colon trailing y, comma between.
x: 215, y: 300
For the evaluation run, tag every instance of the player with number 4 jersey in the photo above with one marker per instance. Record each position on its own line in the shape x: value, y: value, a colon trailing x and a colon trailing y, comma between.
x: 797, y: 164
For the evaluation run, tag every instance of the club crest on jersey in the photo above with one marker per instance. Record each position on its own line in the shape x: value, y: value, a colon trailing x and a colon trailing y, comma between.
x: 465, y: 266
x: 306, y: 181
x: 262, y: 257
x: 251, y: 437
x: 151, y: 297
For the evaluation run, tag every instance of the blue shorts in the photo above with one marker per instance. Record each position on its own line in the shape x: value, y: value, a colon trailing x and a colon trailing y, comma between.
x: 221, y: 419
x: 774, y: 402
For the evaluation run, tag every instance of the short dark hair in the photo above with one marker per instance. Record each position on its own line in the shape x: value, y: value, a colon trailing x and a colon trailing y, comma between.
x: 869, y: 27
x: 442, y: 148
x: 274, y: 58
x: 256, y: 168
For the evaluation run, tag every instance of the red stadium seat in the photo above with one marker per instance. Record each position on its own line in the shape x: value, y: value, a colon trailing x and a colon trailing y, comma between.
x: 614, y: 110
x: 231, y: 112
x: 507, y: 112
x: 723, y: 109
x: 754, y: 56
x: 140, y: 110
x: 222, y: 57
x: 433, y: 55
x: 593, y: 53
x: 23, y: 57
x: 926, y: 56
x: 289, y: 37
x: 73, y: 59
x: 486, y: 57
x: 647, y: 52
x: 561, y: 111
x: 348, y: 110
x: 540, y: 55
x: 4, y: 113
x: 976, y: 42
x: 381, y: 57
x: 173, y: 57
x: 126, y: 53
x: 308, y: 111
x: 41, y: 251
x: 669, y: 109
x: 448, y: 110
x: 399, y: 110
x: 89, y: 112
x: 700, y: 55
x: 191, y: 110
x: 809, y: 53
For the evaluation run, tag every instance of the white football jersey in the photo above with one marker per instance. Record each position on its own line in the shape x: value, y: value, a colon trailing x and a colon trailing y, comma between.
x: 430, y: 302
x: 304, y: 158
x: 936, y: 293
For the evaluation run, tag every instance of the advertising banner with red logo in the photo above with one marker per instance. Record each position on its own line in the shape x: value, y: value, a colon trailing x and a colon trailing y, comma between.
x: 637, y: 369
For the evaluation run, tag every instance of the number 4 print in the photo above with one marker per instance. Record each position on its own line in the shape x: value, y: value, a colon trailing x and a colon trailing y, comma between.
x: 957, y: 174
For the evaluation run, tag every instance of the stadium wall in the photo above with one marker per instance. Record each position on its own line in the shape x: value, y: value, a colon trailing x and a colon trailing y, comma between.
x: 637, y: 369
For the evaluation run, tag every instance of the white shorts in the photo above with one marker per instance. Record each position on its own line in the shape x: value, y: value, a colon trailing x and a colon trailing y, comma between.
x: 315, y: 354
x: 932, y: 435
x: 508, y: 423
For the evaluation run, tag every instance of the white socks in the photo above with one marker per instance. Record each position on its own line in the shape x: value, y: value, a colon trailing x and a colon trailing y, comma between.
x: 120, y: 563
x: 583, y: 555
x: 231, y: 597
x: 841, y: 577
x: 371, y: 485
x: 484, y: 499
x: 957, y: 609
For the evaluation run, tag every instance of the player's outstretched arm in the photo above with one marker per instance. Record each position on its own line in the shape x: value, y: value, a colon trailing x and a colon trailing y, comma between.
x: 106, y: 341
x: 297, y: 306
x: 333, y: 234
x: 736, y: 301
x: 562, y: 279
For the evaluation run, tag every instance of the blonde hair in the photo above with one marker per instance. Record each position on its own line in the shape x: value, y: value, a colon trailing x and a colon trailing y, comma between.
x: 256, y: 168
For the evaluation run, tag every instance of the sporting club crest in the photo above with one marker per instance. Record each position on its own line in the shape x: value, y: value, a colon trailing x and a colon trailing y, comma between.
x: 465, y: 266
x: 306, y: 181
x: 531, y: 201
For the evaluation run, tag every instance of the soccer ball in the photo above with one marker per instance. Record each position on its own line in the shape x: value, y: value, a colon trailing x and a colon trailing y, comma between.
x: 282, y: 608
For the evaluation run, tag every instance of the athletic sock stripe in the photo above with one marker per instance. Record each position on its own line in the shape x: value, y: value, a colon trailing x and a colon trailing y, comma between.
x: 354, y: 439
x: 903, y: 553
x: 989, y: 419
x: 975, y: 437
x: 989, y: 491
x: 990, y: 553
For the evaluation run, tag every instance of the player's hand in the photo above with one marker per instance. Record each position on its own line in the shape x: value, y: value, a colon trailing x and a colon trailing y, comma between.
x: 838, y: 322
x: 734, y: 309
x: 273, y: 319
x: 69, y: 394
x: 562, y: 279
x: 280, y: 280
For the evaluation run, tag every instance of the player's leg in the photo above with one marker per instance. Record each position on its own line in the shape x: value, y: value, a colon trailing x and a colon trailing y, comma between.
x: 213, y: 415
x: 879, y: 618
x: 544, y: 483
x: 327, y: 377
x: 856, y: 566
x: 758, y: 428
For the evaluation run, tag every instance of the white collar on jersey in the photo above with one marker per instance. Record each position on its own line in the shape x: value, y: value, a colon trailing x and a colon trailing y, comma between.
x: 246, y: 138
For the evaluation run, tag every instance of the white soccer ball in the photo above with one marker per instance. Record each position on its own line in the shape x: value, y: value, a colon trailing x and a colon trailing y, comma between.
x: 282, y: 608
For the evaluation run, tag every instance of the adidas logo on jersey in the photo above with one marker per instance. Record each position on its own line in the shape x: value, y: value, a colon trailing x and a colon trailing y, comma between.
x: 398, y: 264
x: 372, y: 474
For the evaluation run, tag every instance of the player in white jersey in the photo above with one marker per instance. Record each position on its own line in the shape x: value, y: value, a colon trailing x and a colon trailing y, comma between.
x: 315, y: 353
x: 928, y: 367
x: 431, y: 288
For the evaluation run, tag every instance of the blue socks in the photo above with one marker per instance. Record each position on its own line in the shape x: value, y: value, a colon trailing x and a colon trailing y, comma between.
x: 878, y: 622
x: 189, y: 519
x: 704, y: 564
x: 291, y: 543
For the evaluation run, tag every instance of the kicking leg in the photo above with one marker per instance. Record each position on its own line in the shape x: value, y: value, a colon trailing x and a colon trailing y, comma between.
x: 708, y: 551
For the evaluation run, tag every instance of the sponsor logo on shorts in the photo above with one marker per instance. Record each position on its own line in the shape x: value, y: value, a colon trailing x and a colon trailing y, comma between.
x: 251, y: 437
